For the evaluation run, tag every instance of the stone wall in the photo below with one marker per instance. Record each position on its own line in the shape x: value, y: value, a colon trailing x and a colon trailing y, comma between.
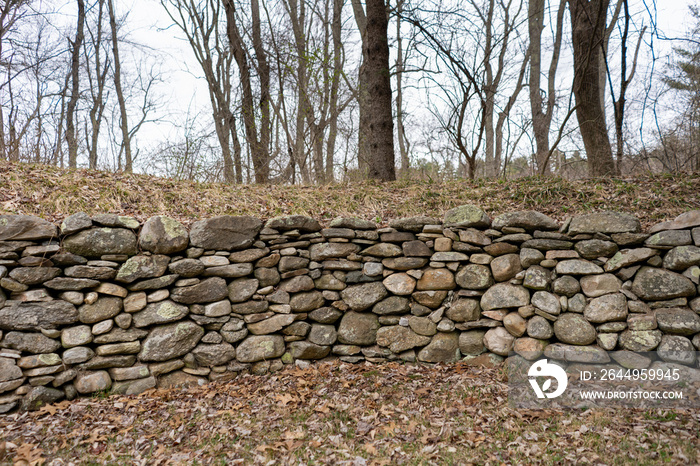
x: 107, y: 303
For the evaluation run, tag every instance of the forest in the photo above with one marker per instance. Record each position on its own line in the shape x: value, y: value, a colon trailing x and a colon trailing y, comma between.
x: 317, y: 91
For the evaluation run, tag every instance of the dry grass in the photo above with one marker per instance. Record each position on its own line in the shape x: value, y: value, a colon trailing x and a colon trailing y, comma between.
x: 54, y: 193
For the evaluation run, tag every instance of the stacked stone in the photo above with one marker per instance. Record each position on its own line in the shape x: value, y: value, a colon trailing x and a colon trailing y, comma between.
x: 108, y: 304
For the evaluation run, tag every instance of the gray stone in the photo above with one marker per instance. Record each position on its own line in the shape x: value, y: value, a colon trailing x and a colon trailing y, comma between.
x: 163, y: 235
x: 229, y: 271
x: 530, y: 220
x: 361, y: 297
x: 293, y: 222
x: 499, y: 341
x: 179, y: 379
x: 607, y: 341
x: 391, y: 306
x: 323, y: 334
x: 573, y: 353
x: 657, y: 284
x: 530, y: 256
x: 250, y: 307
x: 77, y: 355
x: 404, y: 263
x: 546, y: 302
x: 9, y: 370
x: 234, y: 331
x: 640, y: 340
x: 159, y: 313
x: 30, y: 342
x: 308, y: 350
x: 218, y: 309
x: 213, y: 355
x: 71, y: 284
x: 18, y: 315
x: 472, y: 342
x: 466, y: 216
x: 325, y: 315
x: 684, y: 220
x: 607, y: 308
x: 548, y: 244
x: 604, y: 222
x: 133, y: 387
x: 104, y: 308
x: 529, y: 348
x: 678, y: 258
x: 515, y: 324
x: 474, y: 277
x: 475, y: 237
x: 503, y: 295
x: 97, y: 242
x: 414, y: 224
x: 139, y: 267
x: 297, y: 284
x: 119, y: 334
x: 260, y: 347
x: 675, y: 348
x: 113, y: 220
x: 39, y: 397
x: 422, y: 325
x: 678, y: 321
x: 538, y: 327
x: 170, y: 341
x: 399, y: 339
x: 91, y: 382
x: 76, y: 222
x: 187, y: 267
x: 574, y: 329
x: 26, y: 228
x: 631, y: 360
x: 400, y: 284
x: 323, y: 251
x: 577, y: 267
x: 537, y: 278
x: 358, y: 329
x: 207, y: 291
x: 594, y: 286
x: 305, y: 302
x: 567, y: 286
x: 444, y: 347
x: 352, y: 222
x: 34, y: 275
x: 271, y: 325
x: 76, y: 336
x: 382, y: 250
x: 464, y: 310
x: 628, y: 257
x: 595, y: 248
x: 669, y: 238
x: 267, y: 276
x: 225, y: 232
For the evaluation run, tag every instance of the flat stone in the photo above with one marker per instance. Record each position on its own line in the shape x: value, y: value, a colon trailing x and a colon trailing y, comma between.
x: 669, y: 239
x: 305, y: 302
x: 170, y: 341
x: 76, y: 336
x: 34, y: 275
x: 26, y: 228
x: 631, y: 360
x: 213, y: 355
x: 271, y: 325
x: 475, y: 237
x: 678, y: 349
x: 131, y: 347
x: 207, y: 291
x: 104, y: 308
x: 548, y: 245
x: 414, y: 224
x: 528, y: 219
x: 323, y: 251
x: 466, y: 216
x: 187, y: 267
x: 18, y: 315
x: 97, y: 242
x: 680, y: 257
x: 71, y: 284
x: 404, y: 263
x: 159, y: 313
x: 684, y: 220
x: 353, y: 223
x: 577, y: 267
x: 30, y: 342
x: 106, y: 362
x: 39, y: 397
x: 112, y: 290
x: 133, y: 387
x: 655, y: 284
x: 163, y: 235
x: 529, y: 348
x: 391, y: 306
x: 678, y: 321
x: 225, y: 233
x: 607, y: 308
x: 640, y: 340
x: 628, y: 257
x: 153, y: 283
x: 399, y: 339
x: 293, y: 222
x: 574, y: 329
x: 229, y: 271
x: 382, y: 250
x: 113, y: 220
x: 573, y: 353
x: 604, y: 222
x: 432, y: 299
x: 77, y: 355
x: 504, y: 295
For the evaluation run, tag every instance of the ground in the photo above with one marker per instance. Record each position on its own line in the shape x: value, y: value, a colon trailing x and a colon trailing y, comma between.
x: 334, y: 413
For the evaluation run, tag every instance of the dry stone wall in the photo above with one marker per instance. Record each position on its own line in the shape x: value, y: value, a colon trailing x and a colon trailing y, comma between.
x: 109, y: 304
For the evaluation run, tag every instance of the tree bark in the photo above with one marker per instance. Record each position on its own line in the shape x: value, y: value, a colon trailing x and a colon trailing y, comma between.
x: 588, y: 28
x: 75, y: 89
x: 377, y: 84
x: 124, y: 120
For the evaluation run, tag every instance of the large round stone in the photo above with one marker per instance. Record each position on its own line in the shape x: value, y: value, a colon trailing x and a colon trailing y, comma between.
x: 503, y: 296
x: 399, y: 339
x: 474, y: 277
x: 163, y: 235
x: 139, y: 267
x: 91, y: 382
x: 17, y: 315
x: 104, y: 308
x: 594, y: 286
x: 464, y: 310
x: 97, y: 242
x: 358, y: 329
x: 538, y: 327
x: 678, y: 321
x: 472, y: 342
x: 682, y: 257
x: 171, y: 341
x: 364, y: 296
x: 400, y: 283
x: 607, y: 308
x: 574, y: 329
x: 499, y: 341
x: 658, y: 284
x: 675, y: 348
x: 260, y: 347
x: 213, y: 355
x: 26, y: 228
x: 505, y: 267
x: 466, y: 216
x: 305, y: 302
x: 640, y: 340
x: 436, y: 279
x: 444, y: 347
x: 225, y: 232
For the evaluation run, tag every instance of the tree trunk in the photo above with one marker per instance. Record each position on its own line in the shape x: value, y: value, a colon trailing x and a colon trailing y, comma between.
x: 377, y: 84
x: 336, y: 29
x: 71, y: 137
x: 588, y: 28
x: 403, y: 142
x: 124, y: 120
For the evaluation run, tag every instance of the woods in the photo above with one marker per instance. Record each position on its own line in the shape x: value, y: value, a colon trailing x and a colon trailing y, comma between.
x: 317, y: 91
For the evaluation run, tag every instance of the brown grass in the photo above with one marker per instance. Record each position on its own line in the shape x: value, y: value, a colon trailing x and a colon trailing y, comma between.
x: 54, y: 193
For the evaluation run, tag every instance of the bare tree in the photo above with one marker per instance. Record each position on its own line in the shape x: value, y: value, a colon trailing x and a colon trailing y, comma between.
x: 97, y: 80
x: 75, y: 46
